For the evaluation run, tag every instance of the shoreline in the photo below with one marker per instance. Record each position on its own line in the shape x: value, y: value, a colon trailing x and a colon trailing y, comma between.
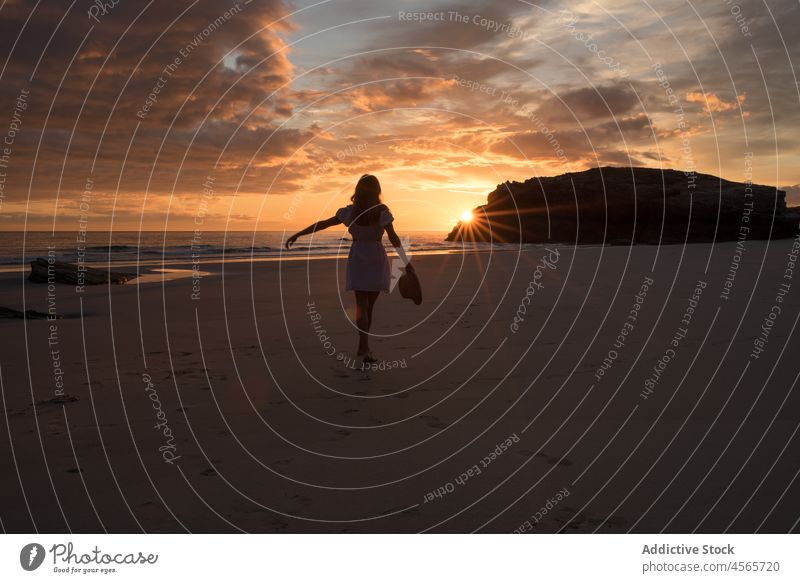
x: 214, y: 261
x: 496, y: 247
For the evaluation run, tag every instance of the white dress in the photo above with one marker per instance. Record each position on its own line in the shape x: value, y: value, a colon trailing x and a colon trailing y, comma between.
x: 367, y: 264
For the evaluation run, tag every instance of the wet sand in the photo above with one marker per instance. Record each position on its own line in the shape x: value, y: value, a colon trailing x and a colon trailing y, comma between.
x: 606, y: 389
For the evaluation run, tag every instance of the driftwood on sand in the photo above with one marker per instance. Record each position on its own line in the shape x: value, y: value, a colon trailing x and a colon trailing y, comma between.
x: 45, y: 271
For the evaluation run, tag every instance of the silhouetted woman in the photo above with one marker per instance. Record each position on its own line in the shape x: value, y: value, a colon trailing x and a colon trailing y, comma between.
x: 368, y: 271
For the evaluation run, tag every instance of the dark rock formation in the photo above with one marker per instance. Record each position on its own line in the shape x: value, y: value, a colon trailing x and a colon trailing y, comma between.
x: 9, y: 313
x: 629, y: 205
x: 72, y: 274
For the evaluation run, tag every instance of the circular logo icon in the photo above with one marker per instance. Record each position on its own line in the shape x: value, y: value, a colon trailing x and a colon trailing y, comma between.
x: 31, y: 556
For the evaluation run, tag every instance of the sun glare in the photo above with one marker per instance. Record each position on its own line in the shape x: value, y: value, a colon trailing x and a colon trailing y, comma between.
x: 466, y: 216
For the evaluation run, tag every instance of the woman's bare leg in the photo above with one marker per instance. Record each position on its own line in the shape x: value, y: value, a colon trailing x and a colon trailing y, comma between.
x: 373, y: 297
x: 363, y: 321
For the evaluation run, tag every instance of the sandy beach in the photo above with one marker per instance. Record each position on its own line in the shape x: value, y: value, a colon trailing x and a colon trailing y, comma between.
x: 589, y: 389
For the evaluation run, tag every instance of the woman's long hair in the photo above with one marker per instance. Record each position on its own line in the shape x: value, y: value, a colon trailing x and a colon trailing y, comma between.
x: 367, y: 200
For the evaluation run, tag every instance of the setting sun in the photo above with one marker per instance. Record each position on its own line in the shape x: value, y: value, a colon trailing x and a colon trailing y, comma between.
x: 466, y: 216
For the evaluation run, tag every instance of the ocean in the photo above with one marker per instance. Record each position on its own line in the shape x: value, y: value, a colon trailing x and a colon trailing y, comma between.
x: 17, y: 249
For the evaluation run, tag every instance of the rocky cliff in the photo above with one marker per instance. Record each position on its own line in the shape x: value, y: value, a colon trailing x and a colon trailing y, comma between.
x: 629, y: 205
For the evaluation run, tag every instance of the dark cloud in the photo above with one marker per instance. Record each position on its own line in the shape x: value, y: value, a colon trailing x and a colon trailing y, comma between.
x: 624, y: 141
x: 588, y: 105
x: 89, y: 88
x: 749, y: 52
x: 462, y: 25
x: 396, y: 93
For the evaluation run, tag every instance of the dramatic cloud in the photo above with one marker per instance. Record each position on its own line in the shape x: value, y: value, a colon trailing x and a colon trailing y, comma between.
x: 165, y: 89
x: 589, y: 104
x: 713, y: 103
x: 285, y: 105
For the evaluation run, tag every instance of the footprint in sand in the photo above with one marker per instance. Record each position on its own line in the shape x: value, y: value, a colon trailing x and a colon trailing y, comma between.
x: 610, y: 522
x: 304, y: 500
x: 49, y: 405
x: 552, y: 460
x: 55, y: 401
x: 434, y: 422
x: 208, y: 472
x: 341, y: 432
x: 583, y: 523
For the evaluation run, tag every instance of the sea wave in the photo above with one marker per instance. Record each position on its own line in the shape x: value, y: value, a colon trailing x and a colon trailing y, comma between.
x: 151, y: 247
x: 112, y: 248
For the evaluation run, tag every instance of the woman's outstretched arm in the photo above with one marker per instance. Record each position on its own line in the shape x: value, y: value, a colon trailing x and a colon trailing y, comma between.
x: 318, y: 226
x: 397, y: 244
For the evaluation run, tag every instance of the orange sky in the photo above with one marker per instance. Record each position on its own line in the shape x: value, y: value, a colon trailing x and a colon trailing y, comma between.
x: 262, y: 116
